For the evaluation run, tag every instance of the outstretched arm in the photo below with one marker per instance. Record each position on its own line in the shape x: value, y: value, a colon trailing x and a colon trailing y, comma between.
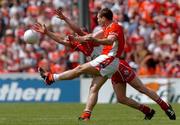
x: 106, y: 41
x: 71, y: 24
x: 97, y: 37
x: 43, y: 29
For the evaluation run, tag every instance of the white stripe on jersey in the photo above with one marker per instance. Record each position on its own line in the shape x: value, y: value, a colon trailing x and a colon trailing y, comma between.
x: 114, y: 49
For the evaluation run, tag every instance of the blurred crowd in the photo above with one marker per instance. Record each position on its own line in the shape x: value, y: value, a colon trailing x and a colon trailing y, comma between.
x: 151, y: 27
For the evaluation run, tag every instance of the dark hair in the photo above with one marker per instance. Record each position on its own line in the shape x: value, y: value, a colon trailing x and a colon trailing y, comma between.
x: 107, y: 13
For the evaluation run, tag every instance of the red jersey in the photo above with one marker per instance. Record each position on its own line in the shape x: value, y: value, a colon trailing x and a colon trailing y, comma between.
x: 118, y: 46
x: 88, y: 48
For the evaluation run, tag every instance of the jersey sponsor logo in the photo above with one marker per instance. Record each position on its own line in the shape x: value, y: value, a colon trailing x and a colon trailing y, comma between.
x: 13, y: 92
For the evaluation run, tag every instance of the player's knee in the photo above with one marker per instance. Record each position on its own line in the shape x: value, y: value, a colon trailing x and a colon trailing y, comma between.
x: 94, y: 88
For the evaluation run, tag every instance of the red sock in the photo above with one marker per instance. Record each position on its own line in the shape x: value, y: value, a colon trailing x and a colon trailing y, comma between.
x: 162, y: 104
x: 145, y: 109
x: 86, y: 114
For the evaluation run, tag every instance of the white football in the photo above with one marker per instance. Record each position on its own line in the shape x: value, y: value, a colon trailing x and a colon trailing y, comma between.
x: 31, y: 36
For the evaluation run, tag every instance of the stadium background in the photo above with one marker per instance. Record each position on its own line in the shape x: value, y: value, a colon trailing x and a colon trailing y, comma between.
x: 152, y: 32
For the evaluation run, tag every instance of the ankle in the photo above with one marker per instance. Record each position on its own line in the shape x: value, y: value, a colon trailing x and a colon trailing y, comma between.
x: 87, y: 111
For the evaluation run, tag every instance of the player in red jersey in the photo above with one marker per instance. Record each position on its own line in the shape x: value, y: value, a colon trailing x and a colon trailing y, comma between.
x: 104, y: 65
x: 119, y: 89
x: 100, y: 66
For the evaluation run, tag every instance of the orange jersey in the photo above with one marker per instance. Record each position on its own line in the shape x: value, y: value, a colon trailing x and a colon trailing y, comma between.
x: 118, y: 46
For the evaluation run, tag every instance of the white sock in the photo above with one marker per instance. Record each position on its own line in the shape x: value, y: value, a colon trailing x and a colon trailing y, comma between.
x: 56, y: 77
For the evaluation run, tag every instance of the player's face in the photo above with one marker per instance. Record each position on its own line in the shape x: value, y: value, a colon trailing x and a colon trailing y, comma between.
x: 101, y: 20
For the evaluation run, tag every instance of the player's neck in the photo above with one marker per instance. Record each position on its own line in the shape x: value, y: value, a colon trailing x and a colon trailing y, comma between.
x: 108, y: 24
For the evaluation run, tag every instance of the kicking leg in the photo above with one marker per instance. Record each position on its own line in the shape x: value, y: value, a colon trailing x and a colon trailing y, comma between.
x: 49, y: 78
x: 71, y: 74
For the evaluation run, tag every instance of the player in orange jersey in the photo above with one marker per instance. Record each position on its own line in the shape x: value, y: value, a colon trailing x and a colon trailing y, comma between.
x: 104, y: 65
x: 120, y: 89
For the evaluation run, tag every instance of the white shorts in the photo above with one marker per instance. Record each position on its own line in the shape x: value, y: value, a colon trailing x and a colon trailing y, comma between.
x: 107, y: 65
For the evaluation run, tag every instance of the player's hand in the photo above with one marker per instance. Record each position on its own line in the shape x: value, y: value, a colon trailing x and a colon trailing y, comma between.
x: 83, y: 39
x: 88, y: 37
x: 40, y: 28
x: 76, y: 38
x: 59, y: 14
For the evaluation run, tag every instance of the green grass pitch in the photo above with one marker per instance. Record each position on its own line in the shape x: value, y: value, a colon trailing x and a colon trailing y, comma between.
x: 67, y: 114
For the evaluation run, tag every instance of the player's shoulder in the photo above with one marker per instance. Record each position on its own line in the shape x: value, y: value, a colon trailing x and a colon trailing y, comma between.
x: 116, y: 25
